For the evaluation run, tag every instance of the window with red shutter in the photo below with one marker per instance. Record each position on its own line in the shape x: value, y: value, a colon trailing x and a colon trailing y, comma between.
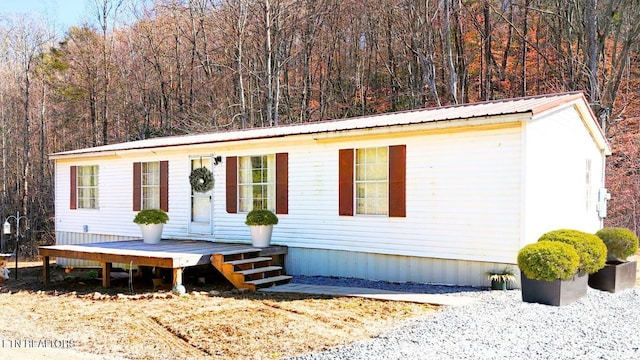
x: 151, y: 185
x: 372, y: 181
x: 257, y: 182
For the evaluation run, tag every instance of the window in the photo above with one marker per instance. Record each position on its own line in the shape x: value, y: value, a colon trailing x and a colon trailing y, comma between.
x: 256, y: 182
x: 87, y: 187
x: 372, y: 181
x: 150, y: 185
x: 588, y: 185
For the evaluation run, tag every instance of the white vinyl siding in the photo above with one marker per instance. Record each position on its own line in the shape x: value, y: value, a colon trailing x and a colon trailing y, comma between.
x: 463, y: 198
x: 372, y: 181
x: 588, y: 186
x: 87, y: 188
x: 558, y: 195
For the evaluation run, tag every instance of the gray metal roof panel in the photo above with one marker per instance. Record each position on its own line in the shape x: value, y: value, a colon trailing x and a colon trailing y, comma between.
x: 533, y: 105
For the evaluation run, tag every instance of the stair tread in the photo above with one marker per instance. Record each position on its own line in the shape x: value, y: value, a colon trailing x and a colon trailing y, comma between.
x: 259, y: 270
x: 239, y: 251
x: 248, y: 261
x: 269, y: 280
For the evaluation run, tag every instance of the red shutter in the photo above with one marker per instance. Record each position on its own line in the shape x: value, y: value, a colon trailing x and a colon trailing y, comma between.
x: 164, y: 185
x: 232, y: 184
x: 282, y: 183
x: 345, y: 182
x: 137, y: 186
x: 397, y: 181
x: 73, y: 197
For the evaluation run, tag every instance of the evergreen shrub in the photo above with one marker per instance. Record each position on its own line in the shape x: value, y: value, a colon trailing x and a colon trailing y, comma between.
x: 590, y: 249
x: 261, y: 217
x: 151, y: 216
x: 548, y: 260
x: 620, y: 242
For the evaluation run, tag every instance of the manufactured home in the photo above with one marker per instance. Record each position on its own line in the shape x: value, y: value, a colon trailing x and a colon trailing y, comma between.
x: 437, y: 195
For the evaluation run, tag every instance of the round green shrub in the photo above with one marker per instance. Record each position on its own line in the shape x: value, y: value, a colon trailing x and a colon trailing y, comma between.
x: 621, y: 243
x: 590, y: 249
x: 261, y: 217
x: 151, y: 216
x: 548, y: 260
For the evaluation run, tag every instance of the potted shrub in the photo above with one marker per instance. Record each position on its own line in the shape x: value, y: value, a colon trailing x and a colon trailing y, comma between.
x: 260, y: 222
x: 548, y: 272
x: 591, y: 250
x: 500, y: 278
x: 618, y: 274
x: 151, y: 222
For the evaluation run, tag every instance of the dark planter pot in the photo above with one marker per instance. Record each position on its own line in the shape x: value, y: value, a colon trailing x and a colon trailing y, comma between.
x: 615, y: 276
x: 556, y: 292
x: 498, y: 285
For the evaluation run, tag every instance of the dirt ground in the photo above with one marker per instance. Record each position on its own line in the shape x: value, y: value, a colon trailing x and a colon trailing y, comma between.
x: 75, y: 318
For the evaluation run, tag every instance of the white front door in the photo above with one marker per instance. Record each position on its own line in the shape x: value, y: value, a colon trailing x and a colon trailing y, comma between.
x: 201, y: 202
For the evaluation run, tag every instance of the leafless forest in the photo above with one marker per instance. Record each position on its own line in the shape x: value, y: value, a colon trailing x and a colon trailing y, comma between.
x: 141, y: 69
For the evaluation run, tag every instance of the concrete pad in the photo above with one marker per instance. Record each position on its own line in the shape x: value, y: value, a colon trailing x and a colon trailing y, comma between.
x: 433, y: 299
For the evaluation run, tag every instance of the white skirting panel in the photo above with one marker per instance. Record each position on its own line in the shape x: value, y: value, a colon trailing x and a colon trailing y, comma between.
x: 71, y: 238
x: 393, y: 268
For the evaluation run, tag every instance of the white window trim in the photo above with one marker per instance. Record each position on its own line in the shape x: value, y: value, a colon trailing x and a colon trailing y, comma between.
x: 270, y: 184
x: 80, y: 201
x: 385, y: 210
x: 144, y: 188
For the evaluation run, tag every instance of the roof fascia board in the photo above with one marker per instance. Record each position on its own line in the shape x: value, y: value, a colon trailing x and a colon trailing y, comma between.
x: 443, y: 126
x: 467, y: 124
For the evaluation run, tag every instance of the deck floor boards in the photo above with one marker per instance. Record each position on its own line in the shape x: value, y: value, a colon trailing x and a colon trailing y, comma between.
x: 181, y: 253
x: 175, y: 254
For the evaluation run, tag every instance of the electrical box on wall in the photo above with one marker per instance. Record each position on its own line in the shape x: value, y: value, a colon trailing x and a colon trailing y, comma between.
x: 603, y: 197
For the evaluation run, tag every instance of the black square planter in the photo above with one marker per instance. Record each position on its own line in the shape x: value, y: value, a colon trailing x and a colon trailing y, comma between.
x: 556, y: 292
x: 615, y: 277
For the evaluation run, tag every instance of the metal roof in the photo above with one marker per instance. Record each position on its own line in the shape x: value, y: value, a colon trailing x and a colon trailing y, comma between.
x: 533, y: 105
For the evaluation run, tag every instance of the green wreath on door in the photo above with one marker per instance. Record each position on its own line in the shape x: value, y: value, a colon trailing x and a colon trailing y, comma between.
x: 201, y: 180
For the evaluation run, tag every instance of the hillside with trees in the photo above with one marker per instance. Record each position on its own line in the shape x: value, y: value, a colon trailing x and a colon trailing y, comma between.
x: 167, y: 67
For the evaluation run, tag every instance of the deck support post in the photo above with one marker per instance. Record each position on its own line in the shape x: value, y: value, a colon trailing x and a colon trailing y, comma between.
x: 46, y: 274
x: 177, y: 276
x: 106, y: 274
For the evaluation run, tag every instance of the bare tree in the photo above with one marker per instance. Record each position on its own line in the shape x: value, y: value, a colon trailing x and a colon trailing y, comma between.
x: 107, y: 11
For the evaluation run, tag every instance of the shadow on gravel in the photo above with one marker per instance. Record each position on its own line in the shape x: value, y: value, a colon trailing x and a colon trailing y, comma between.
x: 384, y: 285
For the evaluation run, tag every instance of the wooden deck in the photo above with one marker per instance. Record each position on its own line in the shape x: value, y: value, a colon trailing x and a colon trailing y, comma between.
x: 171, y: 254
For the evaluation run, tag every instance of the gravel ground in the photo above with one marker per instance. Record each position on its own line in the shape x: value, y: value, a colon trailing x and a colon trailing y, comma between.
x: 500, y: 325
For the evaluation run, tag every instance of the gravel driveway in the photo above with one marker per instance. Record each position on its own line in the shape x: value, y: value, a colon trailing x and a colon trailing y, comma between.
x: 500, y: 326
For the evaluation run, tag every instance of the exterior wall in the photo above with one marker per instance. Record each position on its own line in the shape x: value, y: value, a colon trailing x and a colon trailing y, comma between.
x: 475, y: 194
x: 394, y: 268
x: 462, y: 199
x: 115, y: 214
x: 557, y: 148
x: 463, y: 193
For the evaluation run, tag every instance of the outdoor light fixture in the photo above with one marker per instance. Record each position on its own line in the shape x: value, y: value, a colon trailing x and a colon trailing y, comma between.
x: 6, y: 229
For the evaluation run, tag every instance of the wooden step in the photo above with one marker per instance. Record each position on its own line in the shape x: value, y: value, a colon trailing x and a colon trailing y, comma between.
x: 248, y: 261
x: 270, y: 281
x: 240, y: 254
x: 259, y: 270
x: 247, y: 270
x: 240, y: 251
